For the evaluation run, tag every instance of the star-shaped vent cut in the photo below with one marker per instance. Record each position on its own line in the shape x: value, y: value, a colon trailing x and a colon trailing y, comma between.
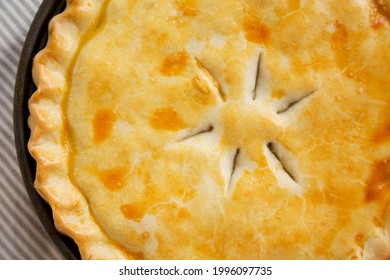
x: 235, y: 123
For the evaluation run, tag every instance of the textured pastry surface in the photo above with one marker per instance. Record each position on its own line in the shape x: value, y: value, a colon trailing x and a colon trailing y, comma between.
x: 188, y: 129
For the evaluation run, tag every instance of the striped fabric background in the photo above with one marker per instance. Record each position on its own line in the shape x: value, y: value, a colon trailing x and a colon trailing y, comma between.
x: 21, y: 234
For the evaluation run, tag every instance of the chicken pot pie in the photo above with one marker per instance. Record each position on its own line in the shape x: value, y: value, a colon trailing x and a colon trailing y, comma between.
x: 199, y: 129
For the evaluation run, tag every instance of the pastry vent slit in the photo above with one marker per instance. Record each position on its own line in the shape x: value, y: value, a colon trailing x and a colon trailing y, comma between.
x: 257, y: 77
x: 234, y: 167
x: 295, y: 102
x: 208, y: 129
x: 277, y: 153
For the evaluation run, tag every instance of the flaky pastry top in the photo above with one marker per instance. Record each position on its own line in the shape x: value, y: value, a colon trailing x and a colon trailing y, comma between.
x: 230, y: 129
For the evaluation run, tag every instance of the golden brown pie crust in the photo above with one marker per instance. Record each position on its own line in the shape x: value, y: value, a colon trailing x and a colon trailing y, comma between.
x: 206, y: 129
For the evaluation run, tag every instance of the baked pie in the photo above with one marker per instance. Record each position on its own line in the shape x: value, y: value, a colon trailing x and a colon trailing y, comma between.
x: 199, y: 129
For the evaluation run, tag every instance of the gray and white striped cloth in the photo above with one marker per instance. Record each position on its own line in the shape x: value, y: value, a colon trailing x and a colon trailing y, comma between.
x: 21, y: 234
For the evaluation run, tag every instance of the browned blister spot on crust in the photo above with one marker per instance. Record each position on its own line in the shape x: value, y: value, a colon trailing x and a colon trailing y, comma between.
x: 103, y: 123
x: 174, y: 64
x: 360, y: 240
x: 190, y: 12
x: 172, y: 213
x: 378, y: 221
x: 378, y: 184
x: 156, y: 203
x: 139, y: 256
x: 189, y: 8
x: 278, y: 93
x: 145, y: 235
x: 294, y: 4
x: 134, y: 212
x: 382, y: 133
x: 256, y: 31
x: 380, y: 13
x: 166, y: 119
x: 340, y: 45
x: 113, y: 179
x: 156, y: 36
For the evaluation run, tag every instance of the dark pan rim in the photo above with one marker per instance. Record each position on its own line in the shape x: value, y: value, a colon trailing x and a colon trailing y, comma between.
x: 24, y: 87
